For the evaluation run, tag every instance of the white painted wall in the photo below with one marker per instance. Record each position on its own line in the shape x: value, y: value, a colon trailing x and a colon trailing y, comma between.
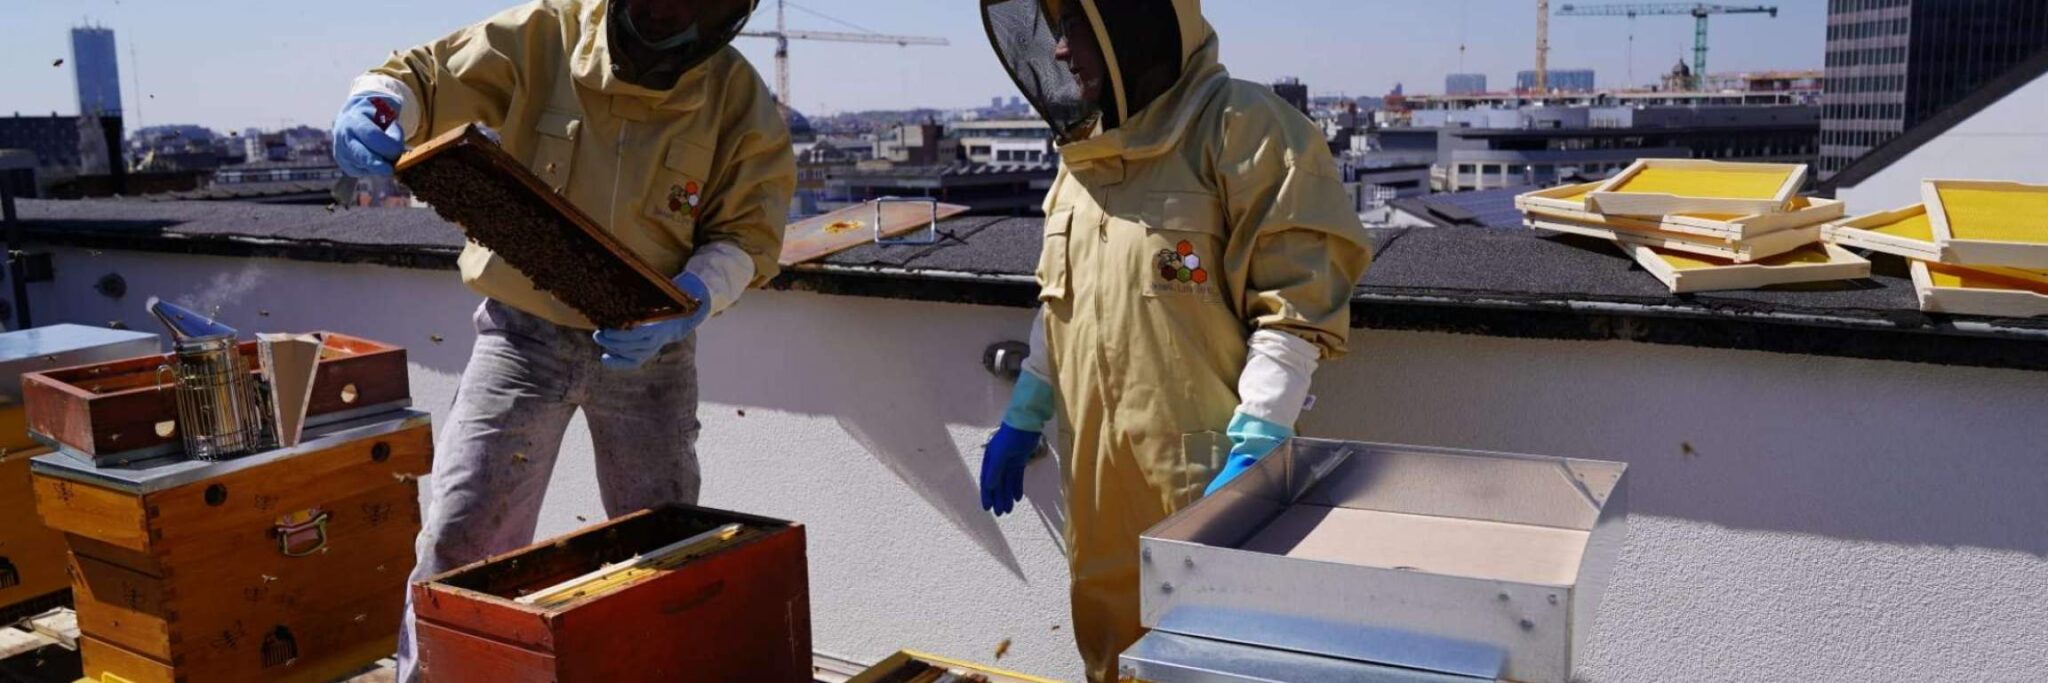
x: 2006, y: 141
x: 1796, y: 518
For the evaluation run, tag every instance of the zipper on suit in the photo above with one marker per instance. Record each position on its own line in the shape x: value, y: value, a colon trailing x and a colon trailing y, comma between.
x: 618, y: 166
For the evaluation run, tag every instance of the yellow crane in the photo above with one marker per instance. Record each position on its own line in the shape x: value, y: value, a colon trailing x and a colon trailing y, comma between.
x: 783, y: 35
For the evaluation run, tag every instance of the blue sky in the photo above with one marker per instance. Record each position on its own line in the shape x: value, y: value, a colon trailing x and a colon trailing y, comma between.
x: 230, y: 64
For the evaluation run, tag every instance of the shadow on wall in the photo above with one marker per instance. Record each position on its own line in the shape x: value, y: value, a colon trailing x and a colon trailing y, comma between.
x: 893, y: 374
x: 1857, y: 450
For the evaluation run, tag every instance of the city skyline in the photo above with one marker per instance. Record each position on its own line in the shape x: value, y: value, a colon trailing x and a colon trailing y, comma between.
x: 289, y: 69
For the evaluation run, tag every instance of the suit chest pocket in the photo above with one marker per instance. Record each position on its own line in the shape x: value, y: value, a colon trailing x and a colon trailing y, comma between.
x: 1053, y: 256
x: 554, y: 155
x: 1184, y: 243
x: 678, y: 194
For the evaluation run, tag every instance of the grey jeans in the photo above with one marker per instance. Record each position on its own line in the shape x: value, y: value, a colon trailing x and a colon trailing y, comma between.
x: 496, y: 452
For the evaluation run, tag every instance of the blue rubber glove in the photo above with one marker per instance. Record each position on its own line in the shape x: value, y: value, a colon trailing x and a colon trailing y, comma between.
x: 367, y: 137
x: 632, y: 348
x: 1010, y: 450
x: 1251, y: 439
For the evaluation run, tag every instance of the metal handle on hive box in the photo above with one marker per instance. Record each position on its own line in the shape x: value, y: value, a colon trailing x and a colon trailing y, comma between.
x: 287, y: 533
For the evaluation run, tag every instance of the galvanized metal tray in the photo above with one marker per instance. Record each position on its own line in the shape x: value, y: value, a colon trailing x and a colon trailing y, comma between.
x: 1483, y: 565
x: 150, y: 476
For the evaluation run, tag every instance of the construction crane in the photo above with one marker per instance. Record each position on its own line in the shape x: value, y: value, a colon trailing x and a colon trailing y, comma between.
x: 1699, y: 11
x: 1543, y: 46
x: 783, y: 35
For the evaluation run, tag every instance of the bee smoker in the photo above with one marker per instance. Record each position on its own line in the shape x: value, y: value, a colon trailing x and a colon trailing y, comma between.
x: 221, y: 412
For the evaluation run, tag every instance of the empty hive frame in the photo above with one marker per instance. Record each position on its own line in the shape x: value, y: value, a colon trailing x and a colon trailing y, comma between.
x: 1987, y: 223
x: 1684, y: 273
x: 1660, y: 187
x: 1909, y: 232
x: 1966, y: 291
x: 1632, y: 231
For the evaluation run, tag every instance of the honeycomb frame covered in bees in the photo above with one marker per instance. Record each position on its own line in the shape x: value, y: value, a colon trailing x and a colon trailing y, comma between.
x: 498, y: 203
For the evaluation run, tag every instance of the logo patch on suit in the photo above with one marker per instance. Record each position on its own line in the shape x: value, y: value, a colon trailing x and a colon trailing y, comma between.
x: 1181, y: 264
x: 1181, y: 271
x: 686, y: 199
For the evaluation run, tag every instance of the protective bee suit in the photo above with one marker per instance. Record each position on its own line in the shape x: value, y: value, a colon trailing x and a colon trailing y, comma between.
x: 642, y: 115
x: 675, y: 147
x: 1199, y: 258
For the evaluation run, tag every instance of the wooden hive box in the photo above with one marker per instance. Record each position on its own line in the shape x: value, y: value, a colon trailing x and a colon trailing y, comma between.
x: 32, y: 578
x: 740, y: 612
x: 288, y: 565
x: 123, y: 411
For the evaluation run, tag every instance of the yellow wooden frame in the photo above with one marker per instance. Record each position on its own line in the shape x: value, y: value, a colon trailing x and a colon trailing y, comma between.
x: 896, y: 661
x: 1616, y: 229
x: 1981, y: 252
x: 1612, y: 200
x: 1841, y: 265
x: 2008, y: 303
x: 1568, y: 202
x: 1862, y: 232
x: 1555, y: 198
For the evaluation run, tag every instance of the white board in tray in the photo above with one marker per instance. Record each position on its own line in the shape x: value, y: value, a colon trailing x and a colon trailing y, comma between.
x: 1660, y: 187
x: 1760, y: 247
x: 1962, y: 291
x: 1989, y: 223
x: 1812, y: 263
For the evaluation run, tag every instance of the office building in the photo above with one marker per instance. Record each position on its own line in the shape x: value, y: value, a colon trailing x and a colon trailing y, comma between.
x: 96, y: 71
x: 1893, y: 64
x: 1024, y: 141
x: 1479, y: 149
x: 1464, y: 84
x: 1294, y: 92
x: 54, y: 140
x: 1561, y: 80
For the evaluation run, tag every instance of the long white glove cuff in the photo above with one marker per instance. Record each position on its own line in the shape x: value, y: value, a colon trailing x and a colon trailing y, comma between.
x: 1275, y: 383
x: 380, y: 84
x: 1038, y: 362
x: 726, y: 271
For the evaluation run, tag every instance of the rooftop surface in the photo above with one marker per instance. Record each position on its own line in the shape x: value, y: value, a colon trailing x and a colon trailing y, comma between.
x: 1477, y: 208
x: 1517, y: 283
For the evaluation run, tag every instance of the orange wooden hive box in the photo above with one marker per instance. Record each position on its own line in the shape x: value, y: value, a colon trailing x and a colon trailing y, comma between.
x: 122, y: 411
x: 286, y: 565
x: 738, y: 611
x: 32, y: 576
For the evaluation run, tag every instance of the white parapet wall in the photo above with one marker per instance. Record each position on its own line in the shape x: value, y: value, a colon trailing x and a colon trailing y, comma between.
x: 1796, y: 518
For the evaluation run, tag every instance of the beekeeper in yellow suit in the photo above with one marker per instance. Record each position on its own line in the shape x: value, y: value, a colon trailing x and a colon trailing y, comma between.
x: 641, y: 114
x: 1200, y: 254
